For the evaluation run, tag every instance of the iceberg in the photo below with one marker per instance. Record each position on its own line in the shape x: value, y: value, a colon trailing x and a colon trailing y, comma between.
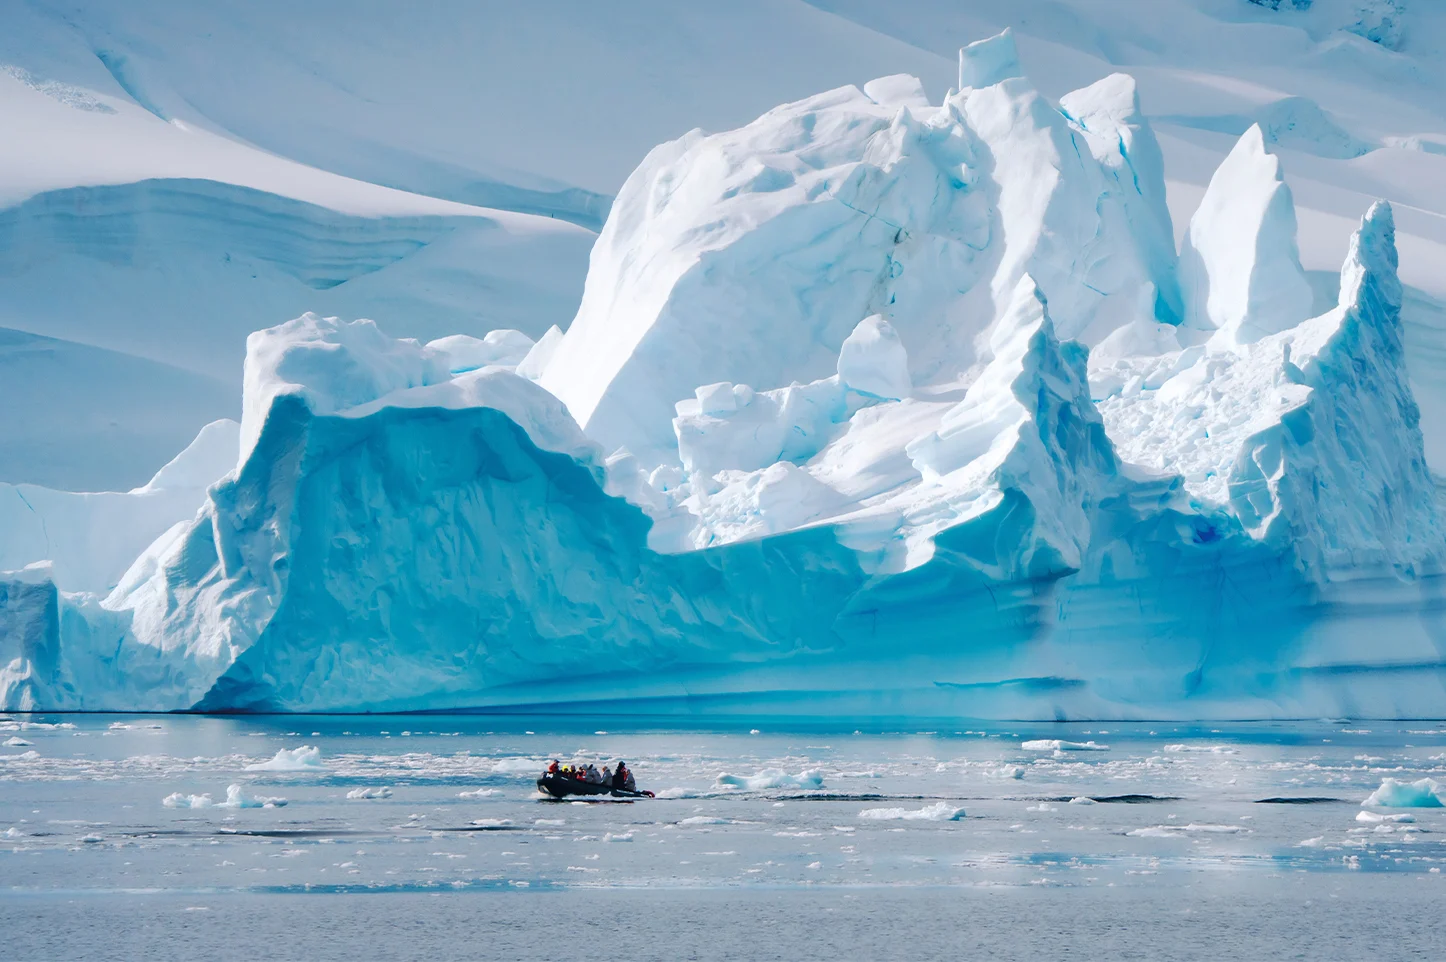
x: 872, y: 407
x: 1393, y: 793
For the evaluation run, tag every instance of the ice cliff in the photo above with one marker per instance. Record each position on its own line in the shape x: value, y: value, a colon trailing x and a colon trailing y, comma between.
x: 871, y: 407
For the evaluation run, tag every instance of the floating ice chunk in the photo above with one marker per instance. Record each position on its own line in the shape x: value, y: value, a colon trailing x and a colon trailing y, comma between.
x: 985, y: 63
x: 873, y: 361
x: 29, y: 756
x: 491, y: 822
x: 1057, y: 745
x: 307, y: 758
x: 938, y: 812
x: 236, y: 798
x: 618, y: 837
x: 518, y: 766
x: 772, y: 778
x: 178, y: 800
x: 1424, y: 793
x: 478, y: 793
x: 550, y: 821
x: 12, y: 832
x: 1177, y: 831
x: 1316, y: 842
x: 705, y: 820
x: 1042, y: 807
x: 1205, y: 749
x: 15, y: 741
x: 369, y: 793
x: 1374, y: 817
x: 1082, y: 800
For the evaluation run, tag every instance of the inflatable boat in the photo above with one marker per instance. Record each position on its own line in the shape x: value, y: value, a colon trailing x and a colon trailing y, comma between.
x: 561, y: 786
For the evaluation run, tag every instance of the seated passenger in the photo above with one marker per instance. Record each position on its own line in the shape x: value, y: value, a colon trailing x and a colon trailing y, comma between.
x: 552, y: 768
x: 607, y: 776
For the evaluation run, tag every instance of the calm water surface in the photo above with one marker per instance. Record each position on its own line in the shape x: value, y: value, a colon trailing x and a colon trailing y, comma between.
x: 424, y: 837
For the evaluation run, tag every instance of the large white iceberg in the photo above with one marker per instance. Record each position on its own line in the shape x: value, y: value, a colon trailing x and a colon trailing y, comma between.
x: 871, y: 407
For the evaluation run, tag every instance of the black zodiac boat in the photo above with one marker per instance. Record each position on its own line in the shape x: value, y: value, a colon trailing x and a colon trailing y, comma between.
x: 561, y: 786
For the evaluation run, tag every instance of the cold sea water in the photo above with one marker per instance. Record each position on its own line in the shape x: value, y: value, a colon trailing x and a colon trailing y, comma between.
x: 424, y: 837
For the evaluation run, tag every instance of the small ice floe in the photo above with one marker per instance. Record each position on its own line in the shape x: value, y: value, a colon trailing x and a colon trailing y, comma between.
x: 478, y: 793
x: 705, y: 820
x: 1317, y: 842
x: 307, y: 758
x: 1376, y: 817
x: 15, y: 741
x: 772, y: 778
x: 29, y: 756
x: 91, y: 839
x: 1042, y: 807
x: 236, y: 798
x: 677, y: 793
x: 1082, y: 800
x: 370, y: 793
x: 492, y: 822
x: 550, y: 821
x: 518, y: 766
x: 938, y: 812
x: 618, y: 837
x: 1056, y: 745
x: 1203, y: 749
x: 1423, y: 793
x: 1179, y: 831
x: 12, y: 832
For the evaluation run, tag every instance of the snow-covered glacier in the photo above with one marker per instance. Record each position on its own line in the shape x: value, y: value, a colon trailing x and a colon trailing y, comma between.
x: 872, y: 407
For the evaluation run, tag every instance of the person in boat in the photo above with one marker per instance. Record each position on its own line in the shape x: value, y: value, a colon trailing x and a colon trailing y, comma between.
x: 594, y: 777
x: 552, y: 769
x: 623, y: 778
x: 607, y: 776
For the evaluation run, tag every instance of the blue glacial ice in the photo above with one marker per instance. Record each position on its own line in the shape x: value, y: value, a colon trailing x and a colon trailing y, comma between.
x: 871, y: 407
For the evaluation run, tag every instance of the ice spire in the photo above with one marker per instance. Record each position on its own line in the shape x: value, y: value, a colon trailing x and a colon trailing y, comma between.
x: 1239, y: 266
x: 985, y: 63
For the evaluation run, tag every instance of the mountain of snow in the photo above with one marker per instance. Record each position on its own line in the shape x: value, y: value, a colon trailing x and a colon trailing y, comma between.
x: 871, y: 406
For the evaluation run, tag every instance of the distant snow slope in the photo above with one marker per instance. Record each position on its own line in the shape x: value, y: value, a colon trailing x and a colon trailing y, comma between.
x: 546, y: 110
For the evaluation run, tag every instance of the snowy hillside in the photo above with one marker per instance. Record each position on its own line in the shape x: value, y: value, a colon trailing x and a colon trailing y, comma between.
x: 955, y: 391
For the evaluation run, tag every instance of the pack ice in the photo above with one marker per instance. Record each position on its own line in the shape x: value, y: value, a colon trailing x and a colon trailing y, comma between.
x: 871, y: 407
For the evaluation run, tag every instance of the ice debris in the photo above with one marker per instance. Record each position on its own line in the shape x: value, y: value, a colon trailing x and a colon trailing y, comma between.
x: 772, y: 778
x: 236, y: 798
x: 938, y: 812
x: 307, y: 758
